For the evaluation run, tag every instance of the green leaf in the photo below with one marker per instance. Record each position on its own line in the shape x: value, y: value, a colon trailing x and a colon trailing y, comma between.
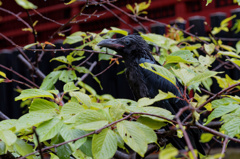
x: 26, y: 4
x: 184, y: 74
x: 128, y: 6
x: 53, y: 156
x: 23, y: 148
x: 83, y: 98
x: 157, y: 111
x: 74, y: 38
x: 116, y: 111
x: 236, y: 61
x: 70, y: 86
x: 32, y: 119
x: 64, y: 151
x: 161, y: 71
x: 134, y: 136
x: 8, y: 137
x: 168, y: 153
x: 221, y: 110
x: 223, y: 101
x: 33, y: 93
x: 207, y: 60
x: 191, y: 47
x: 150, y: 135
x: 41, y: 105
x: 69, y: 133
x: 49, y: 129
x: 161, y: 41
x: 7, y: 124
x: 60, y: 67
x: 30, y: 45
x: 70, y: 2
x: 71, y: 59
x: 209, y: 48
x: 153, y: 124
x: 208, y: 1
x: 206, y: 137
x: 184, y: 56
x: 225, y: 21
x: 200, y: 77
x: 231, y: 128
x: 161, y: 96
x: 3, y: 149
x: 119, y: 31
x: 104, y: 144
x: 90, y: 120
x: 50, y: 80
x: 68, y: 76
x: 3, y: 74
x: 2, y: 80
x: 104, y: 56
x: 87, y: 87
x: 70, y: 109
x: 61, y: 59
x: 227, y: 53
x: 238, y: 45
x: 86, y: 148
x: 78, y: 154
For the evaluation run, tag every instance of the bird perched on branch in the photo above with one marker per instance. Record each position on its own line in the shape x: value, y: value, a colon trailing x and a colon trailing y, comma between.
x: 145, y: 83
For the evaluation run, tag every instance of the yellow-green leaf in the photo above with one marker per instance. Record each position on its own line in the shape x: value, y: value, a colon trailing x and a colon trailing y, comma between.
x: 33, y: 93
x: 161, y: 71
x: 168, y: 153
x: 2, y: 74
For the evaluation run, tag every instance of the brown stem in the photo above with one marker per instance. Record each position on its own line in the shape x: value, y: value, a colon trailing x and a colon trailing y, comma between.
x: 224, y: 147
x: 105, y: 69
x: 216, y: 132
x: 218, y: 94
x: 3, y: 116
x: 72, y: 49
x: 38, y: 141
x: 19, y: 75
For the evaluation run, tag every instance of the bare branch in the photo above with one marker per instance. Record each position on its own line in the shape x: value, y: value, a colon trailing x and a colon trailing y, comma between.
x: 3, y: 116
x: 218, y: 94
x: 224, y: 147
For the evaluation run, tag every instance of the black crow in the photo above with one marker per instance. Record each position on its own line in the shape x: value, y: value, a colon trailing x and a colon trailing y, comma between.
x: 145, y: 83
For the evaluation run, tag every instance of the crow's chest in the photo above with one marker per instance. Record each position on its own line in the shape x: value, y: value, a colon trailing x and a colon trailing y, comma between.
x: 136, y: 82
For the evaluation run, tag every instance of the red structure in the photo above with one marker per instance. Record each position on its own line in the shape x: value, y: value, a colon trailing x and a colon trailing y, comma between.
x: 160, y: 10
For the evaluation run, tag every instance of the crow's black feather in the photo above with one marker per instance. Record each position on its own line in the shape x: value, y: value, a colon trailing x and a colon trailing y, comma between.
x: 145, y: 83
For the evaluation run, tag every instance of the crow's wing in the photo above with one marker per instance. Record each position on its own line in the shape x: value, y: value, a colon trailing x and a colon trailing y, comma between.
x: 154, y: 83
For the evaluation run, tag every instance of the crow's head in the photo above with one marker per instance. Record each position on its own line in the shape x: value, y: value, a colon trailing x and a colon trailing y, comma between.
x: 127, y: 46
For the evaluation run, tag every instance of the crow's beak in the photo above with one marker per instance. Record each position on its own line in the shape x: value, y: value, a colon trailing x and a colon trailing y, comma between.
x: 111, y: 44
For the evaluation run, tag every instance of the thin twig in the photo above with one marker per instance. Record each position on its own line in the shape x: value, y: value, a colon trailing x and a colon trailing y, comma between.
x: 68, y: 22
x: 34, y: 35
x: 185, y: 135
x: 90, y: 69
x: 86, y: 59
x: 105, y: 69
x: 73, y: 49
x: 15, y: 15
x: 224, y: 147
x: 218, y: 94
x: 3, y: 116
x: 133, y: 17
x: 105, y: 7
x: 20, y: 82
x: 19, y: 75
x: 38, y: 141
x: 216, y: 132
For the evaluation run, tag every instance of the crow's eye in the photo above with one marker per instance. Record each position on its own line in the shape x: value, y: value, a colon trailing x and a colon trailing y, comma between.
x: 127, y: 42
